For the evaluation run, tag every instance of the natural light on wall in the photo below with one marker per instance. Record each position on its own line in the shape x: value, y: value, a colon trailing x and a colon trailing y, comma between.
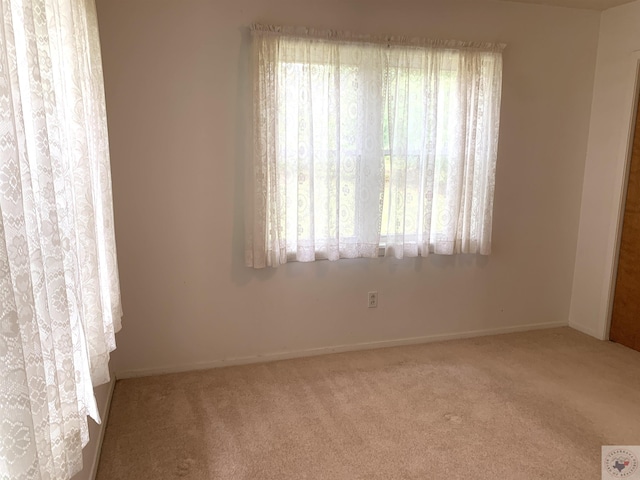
x: 59, y: 291
x: 364, y: 143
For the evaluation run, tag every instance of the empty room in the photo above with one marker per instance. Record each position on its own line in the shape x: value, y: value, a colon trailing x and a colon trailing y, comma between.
x: 319, y: 239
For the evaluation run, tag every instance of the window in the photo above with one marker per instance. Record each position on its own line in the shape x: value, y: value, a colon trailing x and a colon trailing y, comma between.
x: 364, y: 143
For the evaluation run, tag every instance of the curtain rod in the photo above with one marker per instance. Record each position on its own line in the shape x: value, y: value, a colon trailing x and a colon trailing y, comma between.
x: 389, y: 40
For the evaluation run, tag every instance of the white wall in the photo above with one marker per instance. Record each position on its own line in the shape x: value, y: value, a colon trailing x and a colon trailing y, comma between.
x: 605, y: 169
x: 177, y: 94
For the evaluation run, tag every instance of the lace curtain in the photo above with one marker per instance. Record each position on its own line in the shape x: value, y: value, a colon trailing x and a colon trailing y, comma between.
x: 364, y: 143
x: 59, y: 292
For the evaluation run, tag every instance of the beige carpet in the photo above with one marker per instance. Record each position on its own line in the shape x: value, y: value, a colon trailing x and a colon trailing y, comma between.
x: 535, y: 405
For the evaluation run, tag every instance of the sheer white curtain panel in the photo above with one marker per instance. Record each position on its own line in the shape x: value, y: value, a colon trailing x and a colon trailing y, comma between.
x: 442, y: 114
x: 318, y: 150
x: 59, y: 290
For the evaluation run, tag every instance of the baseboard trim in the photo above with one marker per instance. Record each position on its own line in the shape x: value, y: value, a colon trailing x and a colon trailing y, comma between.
x: 103, y: 427
x: 312, y: 352
x: 587, y: 331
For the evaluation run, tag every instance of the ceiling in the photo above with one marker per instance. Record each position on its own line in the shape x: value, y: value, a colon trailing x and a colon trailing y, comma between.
x: 588, y: 4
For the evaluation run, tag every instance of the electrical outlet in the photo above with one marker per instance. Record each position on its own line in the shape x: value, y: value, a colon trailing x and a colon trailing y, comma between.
x: 373, y: 299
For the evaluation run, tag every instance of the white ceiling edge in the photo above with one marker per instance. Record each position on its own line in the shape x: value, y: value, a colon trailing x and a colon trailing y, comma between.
x: 599, y: 5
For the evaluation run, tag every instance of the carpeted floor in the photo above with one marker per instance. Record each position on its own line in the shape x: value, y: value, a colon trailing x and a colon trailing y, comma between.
x: 535, y: 405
